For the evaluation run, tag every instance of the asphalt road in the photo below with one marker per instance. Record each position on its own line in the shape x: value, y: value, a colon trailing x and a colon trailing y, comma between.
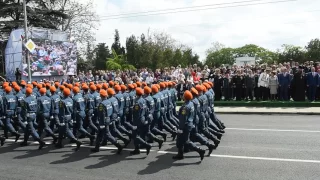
x: 254, y: 147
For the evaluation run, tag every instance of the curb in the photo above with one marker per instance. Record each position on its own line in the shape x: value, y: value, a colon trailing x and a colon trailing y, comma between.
x: 271, y: 113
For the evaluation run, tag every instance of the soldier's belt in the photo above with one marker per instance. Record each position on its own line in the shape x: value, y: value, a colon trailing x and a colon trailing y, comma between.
x: 101, y: 127
x: 30, y: 114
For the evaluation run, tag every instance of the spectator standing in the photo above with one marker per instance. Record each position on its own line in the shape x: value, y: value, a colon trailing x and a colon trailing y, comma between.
x: 312, y: 84
x: 273, y: 85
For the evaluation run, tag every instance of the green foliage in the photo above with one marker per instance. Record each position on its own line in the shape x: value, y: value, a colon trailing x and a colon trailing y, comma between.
x: 117, y: 62
x: 292, y: 53
x: 219, y: 57
x: 102, y: 53
x: 313, y: 50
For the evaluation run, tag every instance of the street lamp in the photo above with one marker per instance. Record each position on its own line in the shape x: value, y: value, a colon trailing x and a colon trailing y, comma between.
x: 26, y: 37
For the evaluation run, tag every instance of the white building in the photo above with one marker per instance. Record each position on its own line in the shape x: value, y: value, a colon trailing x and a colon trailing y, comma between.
x: 242, y: 61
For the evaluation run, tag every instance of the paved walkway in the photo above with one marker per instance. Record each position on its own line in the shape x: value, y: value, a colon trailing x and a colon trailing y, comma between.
x: 268, y: 110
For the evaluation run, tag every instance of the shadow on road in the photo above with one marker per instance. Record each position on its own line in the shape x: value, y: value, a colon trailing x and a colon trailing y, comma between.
x: 163, y: 162
x: 83, y: 153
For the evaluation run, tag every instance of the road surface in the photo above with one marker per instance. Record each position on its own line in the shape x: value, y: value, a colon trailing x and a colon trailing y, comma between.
x: 254, y: 147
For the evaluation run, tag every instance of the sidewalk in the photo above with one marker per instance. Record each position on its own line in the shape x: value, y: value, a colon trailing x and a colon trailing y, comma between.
x: 268, y: 110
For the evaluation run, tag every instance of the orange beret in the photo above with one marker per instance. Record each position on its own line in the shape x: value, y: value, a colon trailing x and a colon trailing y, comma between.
x: 76, y: 89
x: 158, y: 86
x: 194, y: 91
x: 23, y: 83
x: 29, y: 91
x: 211, y: 84
x: 174, y: 83
x: 131, y: 86
x: 70, y: 86
x: 91, y: 83
x: 110, y: 91
x: 144, y: 84
x: 77, y: 84
x: 98, y: 86
x: 117, y: 88
x: 155, y: 89
x: 39, y: 86
x: 17, y: 88
x: 166, y: 84
x: 187, y: 95
x: 62, y: 87
x: 93, y: 87
x: 103, y: 93
x: 43, y: 90
x: 207, y: 85
x: 48, y: 85
x: 139, y: 91
x: 111, y: 83
x: 34, y: 83
x: 30, y: 86
x: 56, y: 84
x: 53, y: 89
x: 123, y: 87
x: 138, y: 84
x: 66, y: 92
x: 105, y: 86
x: 204, y: 88
x: 85, y: 87
x: 170, y: 84
x: 162, y: 85
x: 135, y: 85
x: 199, y: 88
x: 147, y: 90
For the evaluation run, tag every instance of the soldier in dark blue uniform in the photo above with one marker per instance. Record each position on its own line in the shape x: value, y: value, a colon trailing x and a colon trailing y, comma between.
x: 65, y: 120
x: 132, y: 95
x: 149, y: 115
x: 186, y: 116
x: 170, y: 115
x: 115, y: 117
x: 97, y: 100
x: 90, y: 107
x: 155, y: 124
x: 9, y: 108
x: 20, y: 118
x: 79, y: 108
x: 195, y: 135
x: 164, y: 123
x: 174, y: 97
x: 29, y: 105
x: 54, y: 112
x: 126, y: 109
x: 121, y: 104
x: 44, y: 113
x: 140, y: 124
x: 2, y: 139
x: 212, y: 105
x: 23, y: 87
x: 48, y: 93
x: 61, y: 91
x: 104, y: 115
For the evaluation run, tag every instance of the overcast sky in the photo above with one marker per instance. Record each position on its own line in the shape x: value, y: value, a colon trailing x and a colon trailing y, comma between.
x: 267, y: 25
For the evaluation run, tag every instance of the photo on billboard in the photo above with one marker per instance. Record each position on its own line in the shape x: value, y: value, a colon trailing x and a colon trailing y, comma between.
x: 52, y: 58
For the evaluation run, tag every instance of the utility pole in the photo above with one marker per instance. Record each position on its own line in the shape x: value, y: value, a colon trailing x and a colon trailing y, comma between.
x: 26, y: 37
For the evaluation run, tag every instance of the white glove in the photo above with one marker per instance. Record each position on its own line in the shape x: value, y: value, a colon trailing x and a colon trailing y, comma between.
x: 145, y: 122
x: 51, y: 117
x: 134, y: 127
x: 179, y: 131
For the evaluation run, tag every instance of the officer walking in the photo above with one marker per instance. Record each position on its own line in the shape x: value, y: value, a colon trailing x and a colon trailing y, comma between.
x: 140, y: 124
x: 9, y: 108
x: 44, y: 112
x: 149, y: 115
x: 186, y: 115
x: 90, y: 107
x: 104, y: 115
x: 79, y: 108
x: 65, y: 120
x: 19, y: 116
x: 29, y: 105
x: 54, y: 112
x: 126, y: 109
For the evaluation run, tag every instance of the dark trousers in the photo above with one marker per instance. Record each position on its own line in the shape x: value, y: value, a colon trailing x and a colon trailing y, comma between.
x: 30, y: 130
x: 227, y: 93
x: 140, y: 135
x: 249, y: 93
x: 238, y: 92
x: 217, y: 93
x: 104, y: 135
x: 312, y: 92
x: 44, y: 126
x: 264, y: 93
x: 284, y: 89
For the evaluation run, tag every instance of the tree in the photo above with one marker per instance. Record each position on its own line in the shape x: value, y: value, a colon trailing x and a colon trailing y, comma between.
x: 215, y: 46
x: 117, y: 62
x: 39, y: 15
x: 292, y: 53
x: 313, y: 50
x: 132, y: 45
x: 223, y: 56
x: 102, y: 53
x: 117, y: 45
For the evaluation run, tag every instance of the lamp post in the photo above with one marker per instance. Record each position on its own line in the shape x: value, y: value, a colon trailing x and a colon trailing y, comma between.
x: 26, y: 37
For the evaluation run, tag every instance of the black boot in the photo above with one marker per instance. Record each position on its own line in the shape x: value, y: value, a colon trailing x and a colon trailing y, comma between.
x: 41, y: 144
x: 135, y: 152
x: 160, y: 142
x: 17, y: 136
x: 95, y: 149
x: 59, y: 144
x: 119, y: 148
x: 174, y: 135
x: 24, y: 143
x: 55, y: 139
x: 216, y: 143
x: 164, y: 137
x: 2, y: 139
x: 211, y: 147
x: 78, y: 145
x: 201, y: 152
x: 92, y: 137
x: 148, y: 149
x: 179, y: 156
x: 126, y: 143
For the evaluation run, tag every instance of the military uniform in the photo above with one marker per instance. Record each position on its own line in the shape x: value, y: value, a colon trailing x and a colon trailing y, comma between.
x: 121, y: 104
x: 90, y: 108
x: 20, y: 116
x: 9, y: 108
x: 126, y: 111
x: 44, y: 113
x: 164, y: 124
x: 141, y: 124
x: 155, y: 124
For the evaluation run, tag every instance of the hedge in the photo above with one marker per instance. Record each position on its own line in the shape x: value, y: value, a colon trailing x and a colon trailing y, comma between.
x: 262, y: 104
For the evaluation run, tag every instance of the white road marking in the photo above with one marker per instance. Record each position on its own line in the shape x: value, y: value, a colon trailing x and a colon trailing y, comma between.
x: 273, y: 130
x: 212, y: 155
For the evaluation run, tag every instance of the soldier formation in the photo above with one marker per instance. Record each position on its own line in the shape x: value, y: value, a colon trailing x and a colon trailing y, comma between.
x: 105, y: 112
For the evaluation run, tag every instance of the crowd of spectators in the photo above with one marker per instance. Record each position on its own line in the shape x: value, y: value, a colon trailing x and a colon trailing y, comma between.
x: 284, y: 82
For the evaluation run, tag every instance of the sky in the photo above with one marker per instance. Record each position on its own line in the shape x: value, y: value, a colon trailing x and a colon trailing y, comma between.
x: 268, y: 25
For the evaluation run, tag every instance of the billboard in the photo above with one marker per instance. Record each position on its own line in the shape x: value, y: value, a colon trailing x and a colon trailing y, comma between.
x: 52, y: 58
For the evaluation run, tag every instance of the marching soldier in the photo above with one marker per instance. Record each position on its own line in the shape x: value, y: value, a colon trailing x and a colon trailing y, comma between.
x: 155, y: 124
x: 9, y: 109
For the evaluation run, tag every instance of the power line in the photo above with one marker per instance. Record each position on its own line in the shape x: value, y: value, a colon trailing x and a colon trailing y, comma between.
x: 172, y: 9
x: 173, y: 12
